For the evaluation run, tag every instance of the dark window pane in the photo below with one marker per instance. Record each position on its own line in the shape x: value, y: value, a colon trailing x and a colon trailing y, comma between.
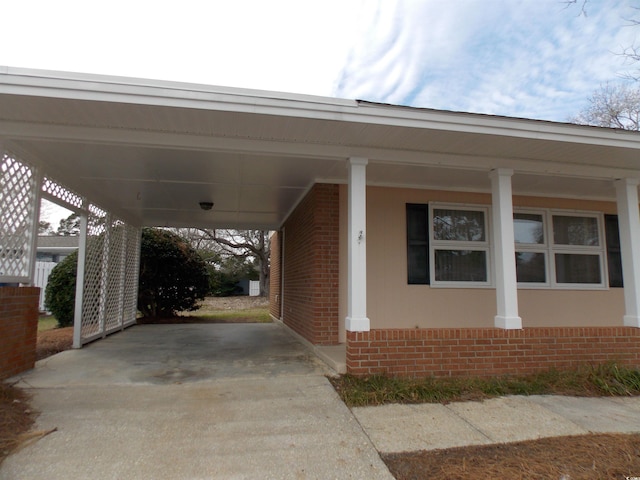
x: 458, y: 225
x: 575, y: 268
x: 460, y: 266
x: 575, y: 230
x: 614, y: 258
x: 417, y: 244
x: 528, y: 228
x: 530, y: 267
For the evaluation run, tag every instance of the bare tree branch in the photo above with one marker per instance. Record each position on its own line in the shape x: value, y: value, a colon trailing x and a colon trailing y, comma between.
x: 615, y: 106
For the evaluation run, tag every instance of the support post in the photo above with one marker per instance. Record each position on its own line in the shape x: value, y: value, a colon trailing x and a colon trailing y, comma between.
x: 82, y: 255
x: 629, y: 225
x: 504, y: 255
x: 356, y: 320
x: 35, y: 224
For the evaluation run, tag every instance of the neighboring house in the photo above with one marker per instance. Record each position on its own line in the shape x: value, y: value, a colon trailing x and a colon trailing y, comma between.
x: 426, y: 242
x: 54, y: 248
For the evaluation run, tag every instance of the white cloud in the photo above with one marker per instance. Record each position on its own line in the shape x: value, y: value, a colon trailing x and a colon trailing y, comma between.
x: 531, y: 58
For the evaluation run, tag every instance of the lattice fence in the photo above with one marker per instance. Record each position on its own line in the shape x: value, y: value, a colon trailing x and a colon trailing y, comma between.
x: 111, y: 256
x: 18, y: 204
x: 110, y: 275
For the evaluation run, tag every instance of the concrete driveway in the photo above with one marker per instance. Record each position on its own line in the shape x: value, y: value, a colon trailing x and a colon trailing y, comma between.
x: 191, y: 402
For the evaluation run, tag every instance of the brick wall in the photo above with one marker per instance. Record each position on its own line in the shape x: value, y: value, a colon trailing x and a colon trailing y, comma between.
x: 487, y: 351
x: 18, y: 329
x: 311, y: 266
x: 274, y: 276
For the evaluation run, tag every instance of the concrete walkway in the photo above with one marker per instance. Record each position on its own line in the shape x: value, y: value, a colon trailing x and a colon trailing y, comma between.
x: 406, y: 428
x: 191, y: 402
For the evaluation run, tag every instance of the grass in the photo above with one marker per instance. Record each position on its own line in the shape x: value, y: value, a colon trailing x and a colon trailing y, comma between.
x: 608, y: 379
x: 256, y: 315
x: 47, y: 323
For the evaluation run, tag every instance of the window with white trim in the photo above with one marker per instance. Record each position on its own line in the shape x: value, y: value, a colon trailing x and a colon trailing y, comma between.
x: 449, y: 245
x: 559, y: 249
x: 459, y: 238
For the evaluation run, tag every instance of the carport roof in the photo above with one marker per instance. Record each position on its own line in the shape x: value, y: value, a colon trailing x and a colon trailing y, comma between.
x: 150, y: 151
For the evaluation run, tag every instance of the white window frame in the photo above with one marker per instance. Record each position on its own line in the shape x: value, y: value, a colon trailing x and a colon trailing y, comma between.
x: 550, y: 249
x: 536, y: 248
x: 483, y: 246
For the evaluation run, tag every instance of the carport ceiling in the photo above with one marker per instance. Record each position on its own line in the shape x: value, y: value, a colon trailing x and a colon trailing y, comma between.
x: 151, y: 151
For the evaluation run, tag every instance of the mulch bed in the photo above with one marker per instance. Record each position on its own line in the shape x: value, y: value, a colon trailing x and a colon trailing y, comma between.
x: 614, y: 456
x: 54, y: 341
x: 16, y: 418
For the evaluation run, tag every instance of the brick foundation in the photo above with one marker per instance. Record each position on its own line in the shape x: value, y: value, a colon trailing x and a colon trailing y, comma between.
x: 18, y: 329
x: 487, y: 351
x: 311, y: 266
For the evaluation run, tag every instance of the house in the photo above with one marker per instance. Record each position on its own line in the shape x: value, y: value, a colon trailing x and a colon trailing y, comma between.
x: 424, y: 242
x: 54, y: 248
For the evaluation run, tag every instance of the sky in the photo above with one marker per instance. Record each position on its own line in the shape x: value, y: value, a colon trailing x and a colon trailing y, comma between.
x: 538, y: 59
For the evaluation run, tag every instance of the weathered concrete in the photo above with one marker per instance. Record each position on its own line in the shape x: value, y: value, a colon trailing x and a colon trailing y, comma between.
x: 191, y: 402
x: 402, y: 428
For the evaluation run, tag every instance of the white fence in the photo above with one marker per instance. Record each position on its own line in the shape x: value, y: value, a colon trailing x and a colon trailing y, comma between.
x: 43, y: 269
x: 254, y: 288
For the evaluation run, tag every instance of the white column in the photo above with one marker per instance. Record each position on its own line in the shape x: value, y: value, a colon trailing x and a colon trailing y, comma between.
x: 504, y: 254
x: 356, y: 320
x: 82, y: 255
x: 629, y: 225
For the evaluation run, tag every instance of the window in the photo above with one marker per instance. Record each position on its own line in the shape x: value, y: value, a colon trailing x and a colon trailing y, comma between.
x: 449, y: 245
x: 531, y: 248
x: 459, y: 245
x: 559, y: 249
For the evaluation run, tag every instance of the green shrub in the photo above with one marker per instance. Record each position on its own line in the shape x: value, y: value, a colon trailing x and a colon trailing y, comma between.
x: 60, y: 293
x: 173, y: 277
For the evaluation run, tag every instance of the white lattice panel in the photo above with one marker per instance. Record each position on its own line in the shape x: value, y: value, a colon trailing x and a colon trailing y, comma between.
x: 61, y: 194
x: 115, y: 275
x: 131, y: 270
x: 95, y: 276
x: 110, y: 276
x: 17, y: 217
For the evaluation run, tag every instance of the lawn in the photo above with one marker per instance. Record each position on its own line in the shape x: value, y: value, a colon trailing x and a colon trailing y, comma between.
x: 47, y: 322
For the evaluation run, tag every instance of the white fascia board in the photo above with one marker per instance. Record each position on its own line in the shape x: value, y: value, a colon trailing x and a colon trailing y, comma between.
x: 76, y: 86
x: 176, y: 94
x: 500, y: 126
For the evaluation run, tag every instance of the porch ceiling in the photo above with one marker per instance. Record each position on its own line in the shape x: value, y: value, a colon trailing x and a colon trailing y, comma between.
x: 150, y: 151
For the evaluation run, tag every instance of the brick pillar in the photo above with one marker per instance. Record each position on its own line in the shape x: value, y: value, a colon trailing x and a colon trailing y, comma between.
x: 275, y: 275
x: 18, y: 329
x: 310, y: 249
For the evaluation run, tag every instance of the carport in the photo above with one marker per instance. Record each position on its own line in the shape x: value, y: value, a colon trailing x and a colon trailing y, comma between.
x: 129, y: 153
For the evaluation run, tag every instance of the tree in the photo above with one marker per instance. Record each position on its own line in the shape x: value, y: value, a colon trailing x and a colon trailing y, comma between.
x: 173, y: 277
x: 60, y: 293
x: 44, y: 228
x: 227, y: 272
x: 216, y: 246
x: 69, y: 226
x: 615, y: 106
x: 244, y: 244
